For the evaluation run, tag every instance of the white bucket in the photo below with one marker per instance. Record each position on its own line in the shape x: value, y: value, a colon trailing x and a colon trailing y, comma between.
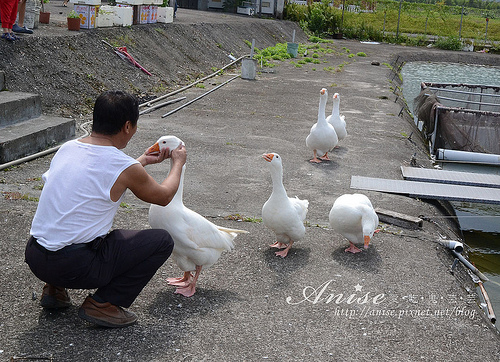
x: 248, y: 68
x: 31, y: 15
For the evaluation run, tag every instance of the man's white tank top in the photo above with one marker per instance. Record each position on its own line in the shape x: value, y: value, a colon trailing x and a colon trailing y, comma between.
x: 75, y: 205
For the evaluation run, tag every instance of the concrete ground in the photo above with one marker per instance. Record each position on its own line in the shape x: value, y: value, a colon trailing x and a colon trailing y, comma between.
x: 396, y: 301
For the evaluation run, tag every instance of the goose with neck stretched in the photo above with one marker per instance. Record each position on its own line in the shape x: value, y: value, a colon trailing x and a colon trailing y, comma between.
x: 282, y: 214
x: 322, y: 137
x: 198, y: 243
x: 336, y: 119
x: 353, y: 216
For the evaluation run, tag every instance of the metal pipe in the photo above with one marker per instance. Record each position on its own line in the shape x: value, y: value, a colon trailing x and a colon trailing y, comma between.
x: 399, y: 17
x: 467, y: 101
x: 54, y: 149
x: 466, y: 156
x: 461, y: 92
x: 470, y: 266
x: 461, y: 21
x: 152, y: 108
x: 201, y: 96
x: 192, y: 84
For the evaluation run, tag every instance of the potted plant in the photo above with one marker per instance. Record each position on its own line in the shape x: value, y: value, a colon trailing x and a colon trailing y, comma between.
x: 44, y: 16
x: 73, y: 21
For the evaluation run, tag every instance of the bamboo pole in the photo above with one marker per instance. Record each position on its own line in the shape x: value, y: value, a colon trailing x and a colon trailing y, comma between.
x: 490, y: 311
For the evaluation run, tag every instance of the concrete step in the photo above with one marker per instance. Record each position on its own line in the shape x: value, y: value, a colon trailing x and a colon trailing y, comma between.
x: 34, y: 135
x: 17, y: 106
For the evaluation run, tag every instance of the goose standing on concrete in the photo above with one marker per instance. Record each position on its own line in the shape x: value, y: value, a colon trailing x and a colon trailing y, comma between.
x: 336, y: 119
x: 322, y: 138
x: 198, y: 243
x: 353, y: 216
x: 282, y: 214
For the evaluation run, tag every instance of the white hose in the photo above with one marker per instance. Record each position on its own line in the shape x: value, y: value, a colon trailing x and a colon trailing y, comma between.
x: 41, y: 153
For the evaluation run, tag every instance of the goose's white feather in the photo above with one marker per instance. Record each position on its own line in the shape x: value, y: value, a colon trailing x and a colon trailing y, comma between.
x: 336, y: 119
x: 322, y: 136
x: 282, y: 214
x: 197, y: 240
x: 353, y: 216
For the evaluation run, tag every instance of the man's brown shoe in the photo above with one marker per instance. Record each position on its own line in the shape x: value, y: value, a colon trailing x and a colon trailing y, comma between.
x: 54, y: 297
x: 105, y: 314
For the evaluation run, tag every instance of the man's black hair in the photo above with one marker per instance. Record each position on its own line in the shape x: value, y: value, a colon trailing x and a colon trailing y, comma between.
x: 112, y: 109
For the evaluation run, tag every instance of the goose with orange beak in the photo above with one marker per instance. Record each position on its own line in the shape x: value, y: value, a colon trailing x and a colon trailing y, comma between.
x: 336, y: 119
x: 198, y: 243
x: 353, y: 216
x: 282, y: 214
x: 322, y: 137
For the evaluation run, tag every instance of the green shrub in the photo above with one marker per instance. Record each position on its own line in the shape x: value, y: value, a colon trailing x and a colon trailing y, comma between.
x: 495, y: 49
x: 449, y: 43
x: 317, y: 20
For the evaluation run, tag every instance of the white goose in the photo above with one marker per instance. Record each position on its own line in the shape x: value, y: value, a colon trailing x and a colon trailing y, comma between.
x: 282, y: 214
x: 322, y: 138
x: 353, y: 216
x: 198, y: 243
x: 336, y: 119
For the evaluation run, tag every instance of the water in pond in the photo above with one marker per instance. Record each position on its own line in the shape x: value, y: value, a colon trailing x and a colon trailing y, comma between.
x: 480, y: 223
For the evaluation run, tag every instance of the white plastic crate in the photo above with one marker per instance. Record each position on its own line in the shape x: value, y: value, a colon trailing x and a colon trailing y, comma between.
x: 165, y: 14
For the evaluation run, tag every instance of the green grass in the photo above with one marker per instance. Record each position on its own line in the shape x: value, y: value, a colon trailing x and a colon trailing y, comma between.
x: 238, y: 217
x: 437, y: 25
x: 307, y: 55
x: 18, y: 196
x: 125, y: 205
x: 422, y: 20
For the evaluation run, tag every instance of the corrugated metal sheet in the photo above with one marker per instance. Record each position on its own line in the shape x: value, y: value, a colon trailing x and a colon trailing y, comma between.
x: 450, y: 177
x: 428, y: 190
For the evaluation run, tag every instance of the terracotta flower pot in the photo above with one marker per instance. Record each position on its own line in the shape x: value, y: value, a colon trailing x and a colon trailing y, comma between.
x: 74, y: 24
x: 44, y: 17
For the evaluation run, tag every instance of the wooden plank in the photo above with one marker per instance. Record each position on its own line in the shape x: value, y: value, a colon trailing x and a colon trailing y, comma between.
x: 428, y: 190
x: 450, y: 177
x: 398, y: 219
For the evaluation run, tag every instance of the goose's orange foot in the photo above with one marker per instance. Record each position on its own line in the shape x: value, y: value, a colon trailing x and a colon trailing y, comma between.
x: 180, y: 282
x: 325, y: 157
x: 278, y: 245
x: 352, y: 249
x: 283, y: 253
x: 187, y: 291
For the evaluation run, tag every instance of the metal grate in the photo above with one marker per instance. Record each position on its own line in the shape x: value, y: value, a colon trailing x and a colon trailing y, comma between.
x: 426, y: 190
x: 450, y: 177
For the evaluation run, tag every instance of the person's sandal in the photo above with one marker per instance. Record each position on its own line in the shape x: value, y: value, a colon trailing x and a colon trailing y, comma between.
x: 8, y: 37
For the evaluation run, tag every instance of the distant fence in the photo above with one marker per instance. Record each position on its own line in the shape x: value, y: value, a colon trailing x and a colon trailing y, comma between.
x: 359, y: 6
x: 428, y: 20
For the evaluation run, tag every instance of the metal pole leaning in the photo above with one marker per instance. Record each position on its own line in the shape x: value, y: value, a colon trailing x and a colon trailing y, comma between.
x: 201, y: 96
x: 152, y: 108
x: 192, y: 84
